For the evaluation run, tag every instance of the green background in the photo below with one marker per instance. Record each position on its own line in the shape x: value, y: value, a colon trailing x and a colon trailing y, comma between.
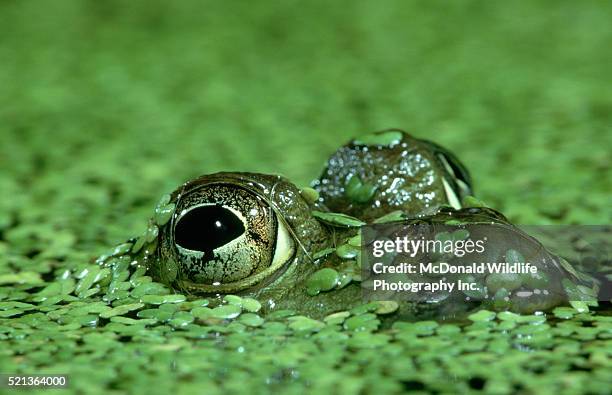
x: 105, y: 105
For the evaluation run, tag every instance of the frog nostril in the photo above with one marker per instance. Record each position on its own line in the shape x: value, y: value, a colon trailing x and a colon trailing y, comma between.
x: 208, y: 227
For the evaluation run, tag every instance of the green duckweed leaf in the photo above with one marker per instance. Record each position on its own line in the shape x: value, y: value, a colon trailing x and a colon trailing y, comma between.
x: 336, y: 318
x: 229, y: 311
x: 347, y: 251
x: 321, y: 280
x: 161, y: 299
x: 386, y: 307
x: 305, y: 324
x: 358, y: 191
x: 164, y: 213
x: 471, y: 201
x: 337, y: 219
x: 251, y: 319
x: 482, y: 315
x: 323, y: 253
x: 309, y: 194
x: 362, y: 322
x: 251, y: 305
x: 20, y: 278
x: 121, y: 310
x: 233, y: 299
x: 181, y: 319
x: 386, y: 138
x: 393, y: 216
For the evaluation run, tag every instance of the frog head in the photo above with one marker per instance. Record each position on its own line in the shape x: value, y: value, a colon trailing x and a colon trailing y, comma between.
x: 236, y: 233
x: 261, y: 236
x: 391, y: 170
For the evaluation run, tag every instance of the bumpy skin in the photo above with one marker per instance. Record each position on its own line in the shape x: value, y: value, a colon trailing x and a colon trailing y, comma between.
x: 524, y: 293
x: 287, y: 205
x: 392, y: 170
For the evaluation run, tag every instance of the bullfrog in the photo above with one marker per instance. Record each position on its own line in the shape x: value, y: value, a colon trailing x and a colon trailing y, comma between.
x: 261, y: 236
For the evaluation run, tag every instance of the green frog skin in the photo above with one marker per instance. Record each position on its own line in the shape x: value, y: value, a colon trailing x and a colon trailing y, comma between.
x: 261, y: 236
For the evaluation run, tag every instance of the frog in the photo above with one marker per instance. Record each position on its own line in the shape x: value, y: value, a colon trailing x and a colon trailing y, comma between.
x: 261, y: 236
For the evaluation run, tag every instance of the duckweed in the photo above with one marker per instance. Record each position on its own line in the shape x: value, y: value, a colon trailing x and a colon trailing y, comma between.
x: 311, y: 195
x: 251, y: 319
x: 121, y: 309
x: 338, y: 219
x: 252, y: 305
x: 471, y: 201
x: 226, y: 312
x: 322, y: 280
x: 163, y: 214
x: 381, y: 139
x: 506, y: 281
x: 301, y: 323
x: 233, y: 299
x: 362, y: 322
x: 393, y: 216
x: 482, y: 315
x: 336, y: 318
x: 347, y: 251
x: 161, y: 299
x: 358, y: 191
x: 79, y: 171
x: 386, y: 307
x: 323, y: 253
x: 181, y: 319
x: 202, y: 312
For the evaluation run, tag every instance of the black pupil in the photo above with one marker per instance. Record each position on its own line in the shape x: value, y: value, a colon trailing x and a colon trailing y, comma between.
x: 207, y: 227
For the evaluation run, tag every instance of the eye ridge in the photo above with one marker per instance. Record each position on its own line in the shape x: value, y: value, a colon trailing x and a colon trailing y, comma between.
x: 255, y: 257
x: 206, y: 228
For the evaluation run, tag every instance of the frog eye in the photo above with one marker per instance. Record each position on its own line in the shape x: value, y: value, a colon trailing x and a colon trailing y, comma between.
x: 227, y: 238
